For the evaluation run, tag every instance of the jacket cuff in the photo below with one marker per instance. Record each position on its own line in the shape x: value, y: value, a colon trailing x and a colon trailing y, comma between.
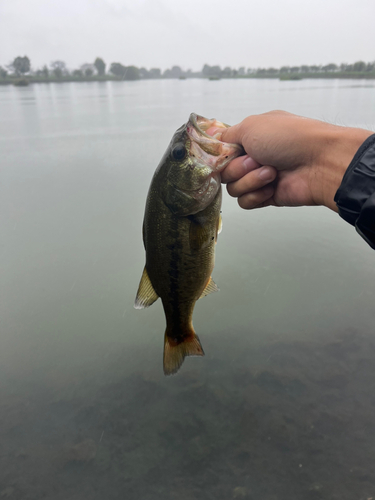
x: 355, y: 198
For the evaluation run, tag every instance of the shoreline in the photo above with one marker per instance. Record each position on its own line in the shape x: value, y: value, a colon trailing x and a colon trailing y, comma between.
x: 26, y: 80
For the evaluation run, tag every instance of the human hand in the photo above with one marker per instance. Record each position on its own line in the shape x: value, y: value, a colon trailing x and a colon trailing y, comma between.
x: 290, y: 161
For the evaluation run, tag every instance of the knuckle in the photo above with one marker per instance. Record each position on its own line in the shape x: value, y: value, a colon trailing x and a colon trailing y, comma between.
x: 277, y: 112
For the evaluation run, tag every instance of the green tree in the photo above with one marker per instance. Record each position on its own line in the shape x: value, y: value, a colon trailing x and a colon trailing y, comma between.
x: 330, y: 67
x: 206, y: 70
x: 3, y: 72
x: 215, y: 71
x: 118, y: 69
x: 125, y: 72
x: 21, y: 65
x: 359, y: 66
x: 58, y: 68
x: 176, y: 72
x: 227, y: 72
x: 89, y: 72
x: 211, y: 70
x: 132, y: 73
x: 143, y: 73
x: 155, y: 73
x: 100, y: 66
x: 77, y: 73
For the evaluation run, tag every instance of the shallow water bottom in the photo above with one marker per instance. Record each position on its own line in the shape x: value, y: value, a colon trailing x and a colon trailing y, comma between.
x: 284, y: 419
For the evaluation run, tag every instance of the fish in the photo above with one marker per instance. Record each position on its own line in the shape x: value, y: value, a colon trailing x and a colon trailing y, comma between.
x: 181, y: 223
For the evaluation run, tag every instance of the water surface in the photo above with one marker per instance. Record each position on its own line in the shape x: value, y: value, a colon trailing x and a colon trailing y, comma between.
x: 281, y: 407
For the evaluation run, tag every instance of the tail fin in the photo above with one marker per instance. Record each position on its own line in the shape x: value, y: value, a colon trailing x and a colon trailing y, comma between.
x: 175, y: 352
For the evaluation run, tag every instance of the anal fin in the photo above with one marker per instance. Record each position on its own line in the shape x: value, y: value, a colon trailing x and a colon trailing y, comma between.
x: 146, y: 294
x: 211, y: 287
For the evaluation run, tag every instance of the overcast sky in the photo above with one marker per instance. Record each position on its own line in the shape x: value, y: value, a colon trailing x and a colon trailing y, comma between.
x: 189, y: 33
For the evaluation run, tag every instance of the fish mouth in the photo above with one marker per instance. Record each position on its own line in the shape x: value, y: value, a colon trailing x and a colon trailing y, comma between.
x: 210, y: 150
x: 201, y: 124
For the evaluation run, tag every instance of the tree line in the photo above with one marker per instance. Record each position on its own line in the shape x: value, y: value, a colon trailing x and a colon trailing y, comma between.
x: 57, y: 70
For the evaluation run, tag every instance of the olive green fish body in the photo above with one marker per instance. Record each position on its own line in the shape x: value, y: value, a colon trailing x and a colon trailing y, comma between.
x: 180, y: 228
x: 180, y: 255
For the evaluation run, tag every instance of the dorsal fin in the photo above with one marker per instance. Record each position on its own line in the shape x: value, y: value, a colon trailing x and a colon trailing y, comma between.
x: 146, y: 294
x: 210, y: 288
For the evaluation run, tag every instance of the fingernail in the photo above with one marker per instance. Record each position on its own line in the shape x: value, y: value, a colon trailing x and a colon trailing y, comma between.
x: 265, y: 174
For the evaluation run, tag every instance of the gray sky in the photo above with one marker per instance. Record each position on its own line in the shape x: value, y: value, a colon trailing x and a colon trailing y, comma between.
x: 161, y: 33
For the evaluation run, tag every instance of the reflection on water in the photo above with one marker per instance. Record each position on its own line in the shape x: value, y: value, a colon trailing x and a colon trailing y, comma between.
x: 281, y: 406
x: 321, y: 87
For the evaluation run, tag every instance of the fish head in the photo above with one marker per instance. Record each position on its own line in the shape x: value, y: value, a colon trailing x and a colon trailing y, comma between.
x: 192, y: 164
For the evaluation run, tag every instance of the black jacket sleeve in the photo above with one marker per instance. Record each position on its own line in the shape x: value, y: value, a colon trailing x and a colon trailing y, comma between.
x: 355, y: 198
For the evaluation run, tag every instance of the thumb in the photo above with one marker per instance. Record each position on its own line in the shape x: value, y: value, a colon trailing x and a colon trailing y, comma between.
x: 233, y: 134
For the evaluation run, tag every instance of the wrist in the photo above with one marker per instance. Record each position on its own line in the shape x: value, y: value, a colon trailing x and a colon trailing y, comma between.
x: 338, y: 147
x: 355, y: 197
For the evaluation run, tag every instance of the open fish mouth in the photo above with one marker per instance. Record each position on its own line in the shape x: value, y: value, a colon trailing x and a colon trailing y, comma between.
x: 201, y: 124
x: 210, y: 150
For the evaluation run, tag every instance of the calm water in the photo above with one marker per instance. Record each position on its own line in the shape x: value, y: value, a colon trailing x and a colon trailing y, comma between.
x: 282, y: 405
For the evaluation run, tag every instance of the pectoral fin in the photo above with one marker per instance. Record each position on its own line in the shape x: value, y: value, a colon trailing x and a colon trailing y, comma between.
x: 219, y: 225
x: 200, y: 235
x: 210, y: 288
x: 146, y: 294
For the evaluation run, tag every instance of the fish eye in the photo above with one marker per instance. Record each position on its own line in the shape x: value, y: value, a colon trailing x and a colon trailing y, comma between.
x: 179, y: 151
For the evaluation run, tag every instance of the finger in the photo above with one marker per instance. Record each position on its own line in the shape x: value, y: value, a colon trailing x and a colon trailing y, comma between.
x: 256, y: 199
x: 250, y: 124
x: 233, y: 134
x: 252, y: 181
x: 213, y: 130
x: 237, y: 168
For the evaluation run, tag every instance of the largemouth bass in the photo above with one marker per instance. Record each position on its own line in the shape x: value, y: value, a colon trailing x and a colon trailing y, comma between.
x: 181, y: 223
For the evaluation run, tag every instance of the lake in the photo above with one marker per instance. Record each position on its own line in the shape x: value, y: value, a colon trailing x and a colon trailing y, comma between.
x: 282, y: 405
